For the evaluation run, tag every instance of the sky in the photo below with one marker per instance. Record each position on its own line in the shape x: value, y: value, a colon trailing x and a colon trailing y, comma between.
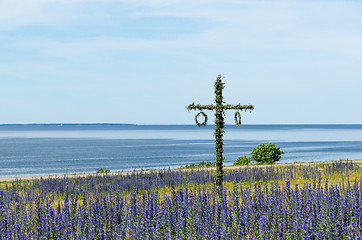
x: 144, y: 61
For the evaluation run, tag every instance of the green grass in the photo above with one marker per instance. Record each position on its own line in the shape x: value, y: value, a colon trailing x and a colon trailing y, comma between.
x: 342, y: 178
x: 346, y: 177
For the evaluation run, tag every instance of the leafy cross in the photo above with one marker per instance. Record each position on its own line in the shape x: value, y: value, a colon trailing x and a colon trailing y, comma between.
x: 219, y: 108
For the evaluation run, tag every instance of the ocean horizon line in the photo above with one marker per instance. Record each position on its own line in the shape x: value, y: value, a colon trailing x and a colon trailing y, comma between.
x: 136, y: 124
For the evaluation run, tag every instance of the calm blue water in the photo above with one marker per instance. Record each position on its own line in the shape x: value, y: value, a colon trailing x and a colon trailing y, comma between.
x: 54, y: 149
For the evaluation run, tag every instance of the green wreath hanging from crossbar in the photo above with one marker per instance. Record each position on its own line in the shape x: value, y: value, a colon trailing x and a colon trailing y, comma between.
x: 205, y: 119
x: 237, y: 118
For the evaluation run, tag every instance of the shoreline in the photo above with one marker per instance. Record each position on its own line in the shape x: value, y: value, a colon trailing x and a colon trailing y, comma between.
x: 76, y: 175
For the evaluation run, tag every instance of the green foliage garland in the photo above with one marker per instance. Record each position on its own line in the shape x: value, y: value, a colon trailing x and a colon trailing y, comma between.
x: 238, y: 107
x: 219, y: 130
x: 205, y: 119
x: 194, y: 106
x: 237, y: 118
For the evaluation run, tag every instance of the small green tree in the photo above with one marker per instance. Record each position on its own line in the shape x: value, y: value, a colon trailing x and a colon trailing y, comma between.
x: 266, y: 154
x: 242, y: 161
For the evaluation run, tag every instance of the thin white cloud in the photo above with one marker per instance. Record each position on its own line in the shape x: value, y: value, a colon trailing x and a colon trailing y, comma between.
x: 22, y: 13
x: 245, y: 25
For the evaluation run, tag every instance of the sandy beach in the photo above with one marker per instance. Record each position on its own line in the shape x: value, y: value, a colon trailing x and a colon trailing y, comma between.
x: 75, y: 175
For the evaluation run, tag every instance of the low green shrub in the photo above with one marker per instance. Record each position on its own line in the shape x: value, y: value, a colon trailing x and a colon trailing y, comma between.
x: 100, y: 170
x: 242, y: 161
x: 266, y: 154
x: 201, y: 164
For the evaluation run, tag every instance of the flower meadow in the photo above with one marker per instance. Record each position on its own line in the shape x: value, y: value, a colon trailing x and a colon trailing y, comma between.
x: 321, y: 201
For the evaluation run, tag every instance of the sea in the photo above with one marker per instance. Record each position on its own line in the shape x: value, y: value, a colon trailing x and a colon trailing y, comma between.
x: 49, y: 149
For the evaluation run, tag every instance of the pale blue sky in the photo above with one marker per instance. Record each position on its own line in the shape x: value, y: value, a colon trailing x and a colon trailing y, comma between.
x: 143, y: 61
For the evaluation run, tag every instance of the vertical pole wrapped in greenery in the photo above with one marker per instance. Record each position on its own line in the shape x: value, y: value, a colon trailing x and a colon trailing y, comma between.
x: 219, y: 130
x: 219, y: 108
